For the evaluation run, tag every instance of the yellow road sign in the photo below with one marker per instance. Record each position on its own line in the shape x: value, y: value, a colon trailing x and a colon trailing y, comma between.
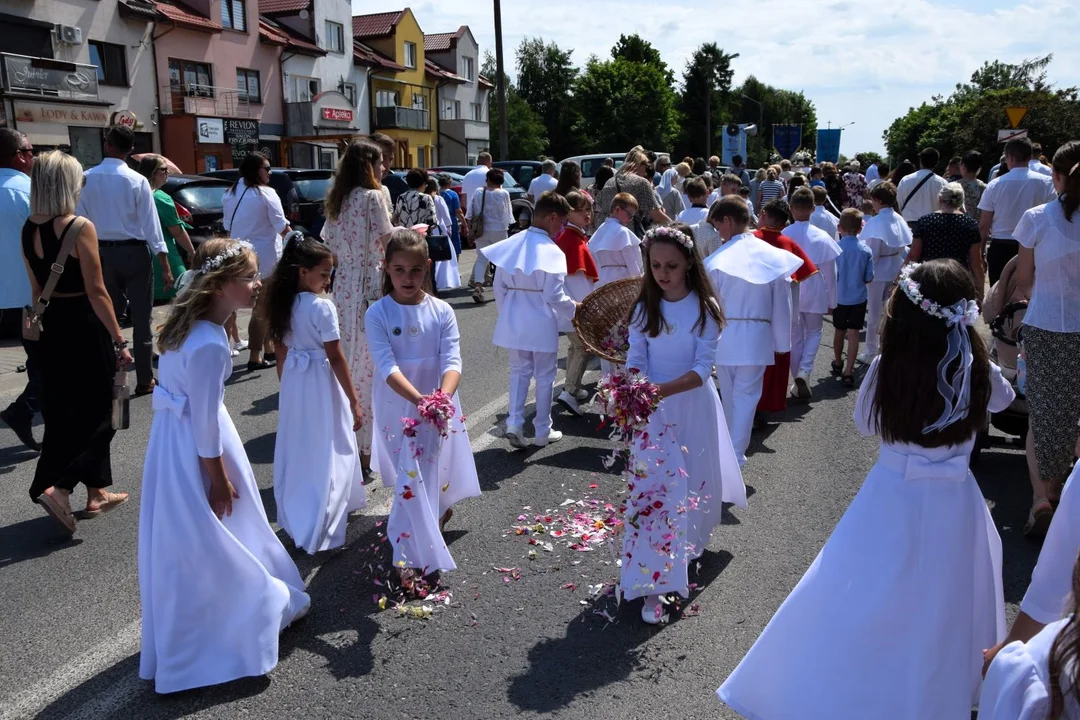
x: 1016, y: 114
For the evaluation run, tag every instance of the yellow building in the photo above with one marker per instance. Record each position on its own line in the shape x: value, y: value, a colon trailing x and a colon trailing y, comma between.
x: 402, y: 98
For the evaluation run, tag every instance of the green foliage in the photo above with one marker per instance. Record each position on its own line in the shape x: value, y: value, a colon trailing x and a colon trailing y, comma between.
x: 866, y: 159
x: 545, y: 81
x: 777, y: 107
x: 527, y: 136
x: 622, y: 104
x: 703, y: 103
x: 636, y: 49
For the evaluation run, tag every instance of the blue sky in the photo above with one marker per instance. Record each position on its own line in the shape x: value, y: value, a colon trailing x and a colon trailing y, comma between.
x: 859, y: 61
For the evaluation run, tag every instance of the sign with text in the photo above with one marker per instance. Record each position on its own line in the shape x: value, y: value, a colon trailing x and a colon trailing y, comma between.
x: 124, y: 118
x: 787, y: 139
x: 243, y: 135
x: 828, y: 145
x: 210, y: 130
x: 26, y: 112
x: 734, y: 143
x: 43, y: 76
x: 1011, y: 134
x: 339, y: 114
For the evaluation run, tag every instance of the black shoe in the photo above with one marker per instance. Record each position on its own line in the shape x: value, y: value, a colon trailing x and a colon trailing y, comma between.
x: 271, y: 357
x: 265, y: 364
x: 22, y: 427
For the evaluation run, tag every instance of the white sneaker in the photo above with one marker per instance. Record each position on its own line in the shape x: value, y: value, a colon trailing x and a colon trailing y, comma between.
x: 652, y: 611
x: 516, y: 436
x: 582, y: 395
x: 240, y: 345
x: 569, y: 402
x: 802, y: 388
x: 234, y: 353
x: 553, y: 436
x: 863, y: 357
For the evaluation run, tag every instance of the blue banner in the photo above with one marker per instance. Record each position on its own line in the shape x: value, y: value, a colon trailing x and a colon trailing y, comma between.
x: 828, y: 145
x: 787, y: 139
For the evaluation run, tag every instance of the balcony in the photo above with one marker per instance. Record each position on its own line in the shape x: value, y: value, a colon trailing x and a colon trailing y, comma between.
x: 192, y: 99
x: 402, y: 118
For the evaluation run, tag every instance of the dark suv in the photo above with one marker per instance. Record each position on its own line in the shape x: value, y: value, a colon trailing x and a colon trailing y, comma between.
x: 282, y: 184
x: 198, y: 203
x: 523, y: 170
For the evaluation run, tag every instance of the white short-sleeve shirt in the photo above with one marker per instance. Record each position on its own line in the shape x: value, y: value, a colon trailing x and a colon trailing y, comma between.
x: 1013, y: 194
x: 541, y: 184
x: 1055, y: 295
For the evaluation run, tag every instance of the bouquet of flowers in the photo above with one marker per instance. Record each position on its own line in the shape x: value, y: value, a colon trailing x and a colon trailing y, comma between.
x: 617, y: 342
x: 626, y: 401
x: 438, y: 409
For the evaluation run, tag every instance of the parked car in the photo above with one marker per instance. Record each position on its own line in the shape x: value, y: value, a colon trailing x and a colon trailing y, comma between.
x: 282, y: 184
x: 591, y: 163
x: 523, y: 170
x: 311, y: 188
x: 396, y: 182
x: 198, y: 202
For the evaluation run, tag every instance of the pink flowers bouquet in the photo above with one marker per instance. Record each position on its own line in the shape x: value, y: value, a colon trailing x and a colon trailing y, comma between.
x: 438, y: 409
x: 617, y: 342
x: 627, y: 401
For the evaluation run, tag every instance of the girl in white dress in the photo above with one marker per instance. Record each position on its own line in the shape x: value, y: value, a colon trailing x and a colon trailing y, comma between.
x: 317, y: 475
x: 413, y: 338
x: 447, y: 274
x: 216, y: 585
x: 687, y: 466
x: 891, y: 618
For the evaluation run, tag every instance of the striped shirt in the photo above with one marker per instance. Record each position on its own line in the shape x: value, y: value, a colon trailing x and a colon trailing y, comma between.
x: 770, y: 190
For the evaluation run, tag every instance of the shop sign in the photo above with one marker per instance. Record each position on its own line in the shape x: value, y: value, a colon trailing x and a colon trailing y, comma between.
x: 243, y: 135
x: 43, y: 76
x: 339, y: 114
x: 211, y: 130
x: 26, y: 112
x: 124, y: 118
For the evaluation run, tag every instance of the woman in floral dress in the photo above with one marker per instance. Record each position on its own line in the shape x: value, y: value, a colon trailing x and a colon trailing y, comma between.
x: 357, y: 228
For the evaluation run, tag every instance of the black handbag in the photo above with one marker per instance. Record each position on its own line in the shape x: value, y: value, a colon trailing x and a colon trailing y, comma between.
x: 439, y: 249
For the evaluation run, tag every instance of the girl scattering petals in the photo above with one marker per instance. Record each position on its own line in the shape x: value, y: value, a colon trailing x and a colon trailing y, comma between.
x: 627, y: 401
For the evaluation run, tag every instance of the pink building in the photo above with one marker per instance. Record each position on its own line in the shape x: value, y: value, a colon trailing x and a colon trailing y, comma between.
x: 220, y: 88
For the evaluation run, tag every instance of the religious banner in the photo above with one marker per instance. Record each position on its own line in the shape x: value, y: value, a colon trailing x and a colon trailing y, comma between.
x: 828, y: 145
x: 734, y: 143
x: 787, y: 139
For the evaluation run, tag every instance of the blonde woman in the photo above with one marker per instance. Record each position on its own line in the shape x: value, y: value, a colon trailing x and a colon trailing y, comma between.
x: 81, y: 346
x: 216, y: 585
x: 634, y: 176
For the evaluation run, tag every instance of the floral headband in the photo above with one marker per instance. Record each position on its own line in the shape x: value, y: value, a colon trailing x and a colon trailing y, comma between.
x: 215, y: 263
x: 669, y: 233
x: 959, y: 316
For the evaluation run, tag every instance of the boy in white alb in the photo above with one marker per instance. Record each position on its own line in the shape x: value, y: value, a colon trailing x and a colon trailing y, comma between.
x: 751, y: 277
x: 616, y: 249
x: 530, y: 294
x: 822, y: 218
x: 698, y: 193
x: 817, y: 295
x: 888, y: 236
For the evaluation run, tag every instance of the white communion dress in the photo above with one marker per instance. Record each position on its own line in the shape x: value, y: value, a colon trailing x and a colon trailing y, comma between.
x: 215, y: 593
x: 1017, y: 685
x: 429, y: 473
x: 683, y: 465
x: 317, y: 475
x: 890, y: 620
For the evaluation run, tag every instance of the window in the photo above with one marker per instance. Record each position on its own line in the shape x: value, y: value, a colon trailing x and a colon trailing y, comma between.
x: 233, y: 15
x: 335, y: 37
x: 410, y: 55
x: 452, y: 110
x: 349, y: 91
x: 421, y: 157
x: 386, y: 98
x: 248, y: 83
x: 111, y: 63
x: 477, y: 112
x: 191, y: 78
x: 468, y: 65
x: 419, y: 102
x: 304, y: 88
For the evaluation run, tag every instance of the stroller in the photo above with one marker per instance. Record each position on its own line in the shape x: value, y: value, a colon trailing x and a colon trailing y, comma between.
x: 1007, y: 335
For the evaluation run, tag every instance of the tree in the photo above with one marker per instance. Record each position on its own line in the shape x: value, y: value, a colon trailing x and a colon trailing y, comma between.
x: 703, y: 103
x: 527, y: 135
x: 776, y: 107
x: 636, y: 49
x: 545, y: 81
x: 866, y: 159
x: 604, y: 93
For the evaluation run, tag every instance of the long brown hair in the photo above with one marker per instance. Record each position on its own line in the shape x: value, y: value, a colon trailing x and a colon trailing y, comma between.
x: 646, y: 309
x: 1067, y: 164
x: 913, y: 343
x: 284, y: 285
x: 1065, y: 652
x: 360, y: 166
x: 409, y: 241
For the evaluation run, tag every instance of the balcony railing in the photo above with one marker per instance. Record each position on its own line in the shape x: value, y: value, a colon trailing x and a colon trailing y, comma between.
x: 402, y: 118
x: 192, y: 99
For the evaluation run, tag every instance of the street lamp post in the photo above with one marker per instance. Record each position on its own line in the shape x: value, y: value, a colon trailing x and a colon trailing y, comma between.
x: 761, y: 122
x: 500, y: 85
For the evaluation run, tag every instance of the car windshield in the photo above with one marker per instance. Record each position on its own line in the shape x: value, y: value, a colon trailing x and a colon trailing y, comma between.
x: 509, y: 182
x: 201, y: 198
x: 312, y: 189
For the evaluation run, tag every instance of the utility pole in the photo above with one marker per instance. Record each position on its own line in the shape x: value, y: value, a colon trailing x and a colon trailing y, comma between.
x: 500, y: 85
x: 708, y: 123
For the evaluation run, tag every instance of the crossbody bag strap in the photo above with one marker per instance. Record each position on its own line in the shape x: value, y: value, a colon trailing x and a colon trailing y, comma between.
x: 918, y: 187
x: 483, y: 200
x: 246, y: 188
x: 67, y: 243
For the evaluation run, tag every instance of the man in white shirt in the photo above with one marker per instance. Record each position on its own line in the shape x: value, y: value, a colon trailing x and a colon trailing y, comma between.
x: 872, y: 174
x: 918, y: 192
x: 543, y: 182
x: 1035, y: 164
x: 121, y: 205
x: 1005, y: 201
x: 476, y: 178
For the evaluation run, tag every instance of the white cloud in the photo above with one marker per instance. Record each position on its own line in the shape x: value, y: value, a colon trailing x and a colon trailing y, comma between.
x: 857, y: 60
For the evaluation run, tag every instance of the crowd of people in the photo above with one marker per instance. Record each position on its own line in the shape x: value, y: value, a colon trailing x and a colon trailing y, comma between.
x: 737, y: 273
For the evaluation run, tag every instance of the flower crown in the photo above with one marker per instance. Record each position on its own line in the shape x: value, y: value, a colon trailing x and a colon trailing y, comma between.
x: 669, y: 233
x: 215, y: 263
x: 963, y: 312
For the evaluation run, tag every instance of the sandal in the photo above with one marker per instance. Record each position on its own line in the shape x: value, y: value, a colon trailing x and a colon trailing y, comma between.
x: 264, y: 365
x: 112, y: 501
x: 58, y: 512
x: 1039, y: 517
x: 445, y: 519
x: 837, y: 368
x: 847, y: 380
x: 478, y: 294
x: 141, y: 390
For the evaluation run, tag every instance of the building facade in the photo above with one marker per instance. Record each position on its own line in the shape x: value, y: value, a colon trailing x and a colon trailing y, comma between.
x: 402, y: 95
x: 463, y: 97
x: 220, y: 88
x: 72, y: 68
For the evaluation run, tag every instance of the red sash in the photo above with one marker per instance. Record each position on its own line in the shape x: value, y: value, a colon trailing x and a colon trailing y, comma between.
x: 575, y: 246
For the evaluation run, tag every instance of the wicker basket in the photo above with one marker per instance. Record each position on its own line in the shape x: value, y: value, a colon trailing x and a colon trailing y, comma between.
x: 601, y: 310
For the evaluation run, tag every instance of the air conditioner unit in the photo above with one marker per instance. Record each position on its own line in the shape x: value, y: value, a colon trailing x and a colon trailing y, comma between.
x: 70, y: 34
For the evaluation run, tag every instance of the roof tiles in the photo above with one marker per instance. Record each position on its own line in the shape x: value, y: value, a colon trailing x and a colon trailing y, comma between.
x: 276, y: 7
x: 375, y: 25
x: 184, y: 16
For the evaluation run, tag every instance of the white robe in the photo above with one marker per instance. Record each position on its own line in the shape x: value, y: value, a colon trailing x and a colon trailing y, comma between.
x: 317, y: 475
x: 1017, y: 685
x: 1046, y: 599
x: 215, y: 593
x: 617, y: 252
x: 817, y: 294
x: 887, y: 235
x: 685, y: 463
x: 428, y: 473
x: 891, y: 618
x: 825, y: 220
x: 447, y: 274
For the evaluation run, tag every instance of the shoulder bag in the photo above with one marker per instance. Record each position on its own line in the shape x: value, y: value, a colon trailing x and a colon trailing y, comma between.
x: 218, y: 227
x: 636, y: 225
x: 918, y: 187
x: 476, y: 226
x: 32, y: 314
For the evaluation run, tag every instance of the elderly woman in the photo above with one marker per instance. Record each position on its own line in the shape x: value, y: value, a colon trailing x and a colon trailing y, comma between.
x: 949, y: 233
x: 1048, y: 276
x: 670, y: 187
x: 634, y: 177
x: 492, y: 204
x: 156, y: 170
x: 415, y: 206
x: 81, y: 346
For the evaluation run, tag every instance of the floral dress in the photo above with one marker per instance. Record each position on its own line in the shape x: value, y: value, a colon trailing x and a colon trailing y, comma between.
x: 413, y: 208
x: 854, y: 188
x: 358, y: 238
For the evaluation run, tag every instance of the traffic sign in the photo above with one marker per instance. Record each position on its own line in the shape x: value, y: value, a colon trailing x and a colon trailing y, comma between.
x: 1011, y: 134
x: 1016, y: 114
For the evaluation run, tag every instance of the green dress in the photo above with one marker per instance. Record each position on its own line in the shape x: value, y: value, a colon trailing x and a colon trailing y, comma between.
x: 166, y: 210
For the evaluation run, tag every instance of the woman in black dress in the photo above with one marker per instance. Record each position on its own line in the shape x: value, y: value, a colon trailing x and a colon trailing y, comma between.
x: 81, y: 344
x: 949, y: 233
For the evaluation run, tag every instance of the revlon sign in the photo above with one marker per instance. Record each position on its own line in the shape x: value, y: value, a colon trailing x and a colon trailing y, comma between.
x: 340, y: 114
x: 61, y: 114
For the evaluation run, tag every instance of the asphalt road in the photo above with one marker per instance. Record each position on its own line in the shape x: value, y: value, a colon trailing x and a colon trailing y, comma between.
x: 520, y: 634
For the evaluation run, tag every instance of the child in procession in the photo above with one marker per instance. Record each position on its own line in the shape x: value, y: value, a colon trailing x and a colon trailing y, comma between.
x: 854, y: 271
x: 752, y: 279
x: 891, y: 618
x: 888, y: 236
x: 581, y: 277
x: 822, y: 218
x: 698, y: 192
x: 216, y: 585
x: 414, y: 343
x: 616, y: 249
x: 447, y: 273
x: 687, y: 466
x: 530, y: 294
x: 317, y: 475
